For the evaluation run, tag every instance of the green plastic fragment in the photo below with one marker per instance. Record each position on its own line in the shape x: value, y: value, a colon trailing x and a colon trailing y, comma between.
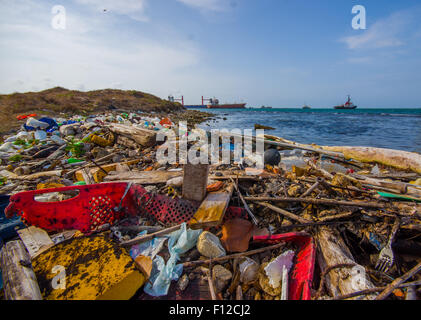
x: 73, y: 160
x: 79, y: 183
x: 397, y: 196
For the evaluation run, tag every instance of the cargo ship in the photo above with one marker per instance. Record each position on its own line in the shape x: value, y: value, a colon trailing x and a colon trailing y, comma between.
x: 214, y: 104
x: 347, y: 106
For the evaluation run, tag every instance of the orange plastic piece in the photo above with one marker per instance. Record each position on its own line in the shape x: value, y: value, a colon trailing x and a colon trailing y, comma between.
x: 165, y: 122
x: 215, y: 186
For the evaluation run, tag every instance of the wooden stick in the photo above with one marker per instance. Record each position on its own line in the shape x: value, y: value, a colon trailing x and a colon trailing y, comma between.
x: 374, y: 290
x: 329, y: 202
x: 397, y: 282
x: 349, y: 188
x: 322, y: 171
x: 150, y: 236
x: 285, y: 213
x: 337, y: 216
x: 253, y: 217
x: 239, y: 293
x: 311, y: 189
x: 211, y: 285
x: 232, y: 256
x: 321, y: 223
x: 108, y: 156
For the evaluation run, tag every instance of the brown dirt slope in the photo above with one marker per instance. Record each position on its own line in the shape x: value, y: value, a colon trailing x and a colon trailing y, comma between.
x: 66, y: 102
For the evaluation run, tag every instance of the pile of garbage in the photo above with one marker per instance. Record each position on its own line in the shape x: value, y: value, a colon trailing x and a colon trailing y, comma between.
x: 91, y: 214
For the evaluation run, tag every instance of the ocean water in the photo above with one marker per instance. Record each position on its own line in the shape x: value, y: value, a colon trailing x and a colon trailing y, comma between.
x: 383, y: 128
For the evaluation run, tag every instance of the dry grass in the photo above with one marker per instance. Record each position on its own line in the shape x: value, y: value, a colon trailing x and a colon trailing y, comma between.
x: 60, y: 101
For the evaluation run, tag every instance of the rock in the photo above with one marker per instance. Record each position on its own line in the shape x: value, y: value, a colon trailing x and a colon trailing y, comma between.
x: 183, y: 282
x: 117, y: 158
x: 175, y: 182
x: 272, y: 157
x: 99, y: 152
x: 209, y: 245
x: 68, y: 129
x: 261, y: 127
x: 20, y: 171
x: 133, y: 153
x: 221, y: 277
x: 151, y: 189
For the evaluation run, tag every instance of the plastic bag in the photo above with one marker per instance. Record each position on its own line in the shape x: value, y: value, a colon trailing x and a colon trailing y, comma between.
x: 162, y: 274
x: 149, y: 248
x: 40, y: 135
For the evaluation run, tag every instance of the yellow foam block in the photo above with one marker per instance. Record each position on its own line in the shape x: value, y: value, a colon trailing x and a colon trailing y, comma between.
x: 96, y: 268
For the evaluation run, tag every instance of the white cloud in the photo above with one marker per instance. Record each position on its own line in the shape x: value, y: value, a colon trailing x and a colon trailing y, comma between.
x: 208, y: 5
x: 90, y: 54
x: 384, y: 33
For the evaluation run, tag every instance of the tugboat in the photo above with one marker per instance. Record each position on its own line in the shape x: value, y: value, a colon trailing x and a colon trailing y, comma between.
x: 347, y: 106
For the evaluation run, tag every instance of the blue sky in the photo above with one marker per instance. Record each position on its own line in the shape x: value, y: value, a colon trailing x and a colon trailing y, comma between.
x: 280, y: 53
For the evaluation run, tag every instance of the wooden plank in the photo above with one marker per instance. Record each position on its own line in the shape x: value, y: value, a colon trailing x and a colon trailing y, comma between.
x: 35, y: 240
x: 19, y: 280
x: 285, y: 213
x: 195, y: 180
x: 212, y: 210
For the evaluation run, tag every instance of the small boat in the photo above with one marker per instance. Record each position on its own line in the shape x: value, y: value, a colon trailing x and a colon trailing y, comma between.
x: 306, y: 107
x: 347, y: 106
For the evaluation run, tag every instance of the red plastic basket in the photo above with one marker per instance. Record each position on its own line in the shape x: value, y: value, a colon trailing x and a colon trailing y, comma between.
x: 94, y: 206
x: 301, y: 276
x: 91, y: 208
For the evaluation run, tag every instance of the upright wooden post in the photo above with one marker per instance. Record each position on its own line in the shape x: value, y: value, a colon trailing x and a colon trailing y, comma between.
x: 195, y: 181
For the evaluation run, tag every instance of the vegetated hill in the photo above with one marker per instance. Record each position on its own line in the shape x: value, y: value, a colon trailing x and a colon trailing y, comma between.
x: 66, y: 102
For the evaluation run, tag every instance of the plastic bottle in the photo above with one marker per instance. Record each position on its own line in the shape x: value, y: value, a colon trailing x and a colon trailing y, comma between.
x: 40, y: 135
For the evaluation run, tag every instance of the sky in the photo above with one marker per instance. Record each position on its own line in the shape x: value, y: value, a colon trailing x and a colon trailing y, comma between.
x: 279, y: 53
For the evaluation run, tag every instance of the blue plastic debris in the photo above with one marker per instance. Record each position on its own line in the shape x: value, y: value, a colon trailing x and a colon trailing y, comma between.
x: 52, y: 125
x: 162, y: 274
x: 8, y: 227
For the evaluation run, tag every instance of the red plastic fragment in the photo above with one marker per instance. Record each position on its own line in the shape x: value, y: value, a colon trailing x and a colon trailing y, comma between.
x: 301, y: 275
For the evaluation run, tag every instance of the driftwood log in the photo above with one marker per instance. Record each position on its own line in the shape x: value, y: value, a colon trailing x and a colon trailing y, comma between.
x: 332, y: 251
x: 395, y: 158
x: 19, y: 279
x: 143, y: 137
